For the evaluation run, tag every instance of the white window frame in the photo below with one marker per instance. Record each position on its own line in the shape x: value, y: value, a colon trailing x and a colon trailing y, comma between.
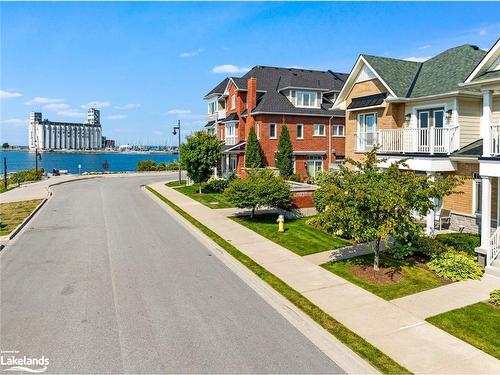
x: 361, y: 123
x: 294, y: 161
x: 210, y: 104
x: 317, y: 127
x: 233, y: 101
x: 301, y: 126
x: 335, y: 131
x: 272, y: 125
x: 299, y: 99
x: 257, y: 129
x: 315, y: 160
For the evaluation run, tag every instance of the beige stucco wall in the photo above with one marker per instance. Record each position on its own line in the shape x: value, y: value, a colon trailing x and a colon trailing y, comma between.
x: 469, y: 114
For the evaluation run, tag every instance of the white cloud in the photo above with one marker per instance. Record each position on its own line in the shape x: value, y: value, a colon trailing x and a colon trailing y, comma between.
x: 116, y: 117
x: 95, y: 104
x: 9, y: 94
x: 127, y: 106
x: 191, y: 53
x: 483, y: 32
x: 56, y: 106
x: 417, y: 59
x: 228, y: 68
x: 15, y: 122
x: 425, y: 46
x: 179, y: 112
x: 43, y: 100
x: 71, y: 113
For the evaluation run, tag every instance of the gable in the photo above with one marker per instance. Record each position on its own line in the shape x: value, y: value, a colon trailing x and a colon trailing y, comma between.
x: 489, y: 63
x: 365, y: 74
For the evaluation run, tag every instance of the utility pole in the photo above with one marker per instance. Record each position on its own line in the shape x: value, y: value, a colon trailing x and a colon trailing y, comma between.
x: 5, y: 173
x: 38, y: 156
x: 177, y: 130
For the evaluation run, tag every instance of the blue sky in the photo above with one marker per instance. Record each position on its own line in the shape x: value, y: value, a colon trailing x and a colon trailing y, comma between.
x: 148, y: 64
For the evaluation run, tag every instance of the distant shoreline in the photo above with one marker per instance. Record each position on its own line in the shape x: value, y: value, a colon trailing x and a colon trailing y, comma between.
x: 90, y: 151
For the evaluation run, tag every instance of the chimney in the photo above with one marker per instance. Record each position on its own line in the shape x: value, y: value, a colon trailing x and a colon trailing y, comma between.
x: 251, y: 102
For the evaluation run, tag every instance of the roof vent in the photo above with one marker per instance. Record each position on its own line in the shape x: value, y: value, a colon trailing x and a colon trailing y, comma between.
x: 475, y: 47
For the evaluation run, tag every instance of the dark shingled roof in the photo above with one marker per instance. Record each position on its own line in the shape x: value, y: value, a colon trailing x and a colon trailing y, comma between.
x: 232, y: 117
x: 472, y: 150
x: 367, y: 101
x: 219, y: 89
x: 272, y: 80
x: 494, y: 74
x: 441, y: 74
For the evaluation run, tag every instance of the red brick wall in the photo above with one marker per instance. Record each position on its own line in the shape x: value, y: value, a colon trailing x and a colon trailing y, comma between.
x: 302, y: 199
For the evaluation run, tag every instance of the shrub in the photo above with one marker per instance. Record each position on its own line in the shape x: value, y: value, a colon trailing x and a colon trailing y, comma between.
x: 456, y: 266
x: 260, y: 188
x: 294, y: 177
x: 465, y: 242
x: 215, y: 185
x: 146, y: 165
x: 495, y: 297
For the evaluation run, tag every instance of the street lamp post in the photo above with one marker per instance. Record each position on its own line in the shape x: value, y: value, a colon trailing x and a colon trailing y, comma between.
x: 177, y: 130
x: 38, y: 156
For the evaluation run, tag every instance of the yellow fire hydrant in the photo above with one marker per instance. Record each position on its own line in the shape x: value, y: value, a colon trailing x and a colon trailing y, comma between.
x: 281, y: 223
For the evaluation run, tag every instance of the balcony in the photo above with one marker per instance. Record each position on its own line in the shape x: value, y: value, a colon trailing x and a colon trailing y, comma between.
x: 231, y: 140
x: 411, y: 140
x: 495, y: 140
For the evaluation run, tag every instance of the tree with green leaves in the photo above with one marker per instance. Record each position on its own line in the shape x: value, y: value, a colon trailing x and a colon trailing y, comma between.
x: 199, y: 155
x: 260, y: 188
x: 371, y: 204
x: 253, y: 152
x: 284, y: 154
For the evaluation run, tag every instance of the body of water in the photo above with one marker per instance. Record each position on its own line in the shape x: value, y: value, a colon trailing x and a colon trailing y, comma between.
x: 90, y: 162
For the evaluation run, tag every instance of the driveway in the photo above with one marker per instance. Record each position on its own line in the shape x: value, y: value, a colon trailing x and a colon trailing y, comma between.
x: 103, y: 280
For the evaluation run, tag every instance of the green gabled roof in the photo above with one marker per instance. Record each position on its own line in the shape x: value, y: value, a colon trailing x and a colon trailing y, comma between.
x: 398, y: 74
x: 495, y: 74
x: 444, y: 72
x: 441, y: 74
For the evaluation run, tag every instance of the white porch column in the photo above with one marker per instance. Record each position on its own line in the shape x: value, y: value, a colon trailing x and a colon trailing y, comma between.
x: 431, y: 215
x: 486, y: 215
x: 485, y: 129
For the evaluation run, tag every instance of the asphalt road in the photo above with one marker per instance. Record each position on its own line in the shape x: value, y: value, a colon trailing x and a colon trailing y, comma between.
x: 105, y: 281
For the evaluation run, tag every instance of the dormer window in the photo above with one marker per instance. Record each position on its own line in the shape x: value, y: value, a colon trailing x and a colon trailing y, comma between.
x: 306, y: 99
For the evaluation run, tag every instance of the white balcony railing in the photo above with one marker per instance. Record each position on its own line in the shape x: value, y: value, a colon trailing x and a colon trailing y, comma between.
x: 411, y: 140
x: 494, y: 249
x: 495, y: 139
x: 231, y: 140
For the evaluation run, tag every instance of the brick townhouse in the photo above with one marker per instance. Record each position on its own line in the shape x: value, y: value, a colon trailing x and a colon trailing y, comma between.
x: 444, y: 116
x: 266, y: 98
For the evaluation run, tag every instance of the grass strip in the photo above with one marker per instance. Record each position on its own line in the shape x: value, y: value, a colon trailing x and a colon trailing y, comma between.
x: 363, y: 348
x: 13, y: 213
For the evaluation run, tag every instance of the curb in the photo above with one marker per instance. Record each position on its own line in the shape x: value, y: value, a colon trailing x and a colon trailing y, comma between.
x: 14, y: 233
x: 328, y: 344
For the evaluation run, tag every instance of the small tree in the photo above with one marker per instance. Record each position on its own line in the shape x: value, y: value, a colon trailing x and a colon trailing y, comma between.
x: 199, y: 155
x: 259, y: 188
x: 253, y: 152
x: 373, y: 204
x: 284, y: 155
x: 5, y: 145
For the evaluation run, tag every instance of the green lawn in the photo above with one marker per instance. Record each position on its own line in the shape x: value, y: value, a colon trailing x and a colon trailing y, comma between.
x: 212, y: 200
x: 477, y: 324
x: 415, y: 279
x: 12, y: 214
x: 298, y: 237
x: 374, y: 356
x: 175, y: 183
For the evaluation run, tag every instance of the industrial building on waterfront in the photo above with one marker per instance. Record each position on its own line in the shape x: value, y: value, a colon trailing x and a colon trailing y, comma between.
x: 51, y: 135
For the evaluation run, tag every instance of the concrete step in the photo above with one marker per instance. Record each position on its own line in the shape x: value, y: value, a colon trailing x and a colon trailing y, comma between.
x: 492, y: 270
x: 496, y: 262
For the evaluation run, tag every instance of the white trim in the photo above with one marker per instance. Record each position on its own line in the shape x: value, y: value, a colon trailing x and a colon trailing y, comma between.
x: 319, y: 135
x: 338, y: 126
x: 475, y: 211
x: 383, y: 105
x: 483, y: 62
x: 422, y: 163
x: 304, y: 88
x: 297, y: 114
x: 275, y: 130
x: 302, y: 127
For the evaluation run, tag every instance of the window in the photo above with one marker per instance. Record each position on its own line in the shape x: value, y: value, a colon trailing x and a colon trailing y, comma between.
x: 367, y: 131
x: 338, y: 130
x: 318, y: 130
x: 306, y: 99
x: 300, y: 131
x: 212, y: 107
x: 314, y: 165
x: 257, y: 130
x: 233, y: 162
x: 272, y: 130
x: 477, y: 193
x: 233, y: 101
x: 230, y: 136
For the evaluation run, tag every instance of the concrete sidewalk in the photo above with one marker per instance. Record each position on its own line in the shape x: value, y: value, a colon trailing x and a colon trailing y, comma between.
x: 396, y: 330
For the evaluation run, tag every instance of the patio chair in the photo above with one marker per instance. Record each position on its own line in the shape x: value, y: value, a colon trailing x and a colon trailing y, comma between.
x: 444, y: 218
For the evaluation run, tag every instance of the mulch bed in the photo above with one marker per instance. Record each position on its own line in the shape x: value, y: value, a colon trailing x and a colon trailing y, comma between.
x: 385, y: 275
